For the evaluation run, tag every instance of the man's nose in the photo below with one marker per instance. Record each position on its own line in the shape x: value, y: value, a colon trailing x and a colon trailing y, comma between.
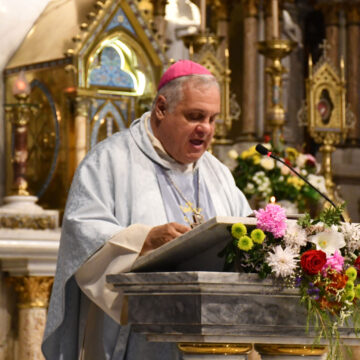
x: 204, y: 128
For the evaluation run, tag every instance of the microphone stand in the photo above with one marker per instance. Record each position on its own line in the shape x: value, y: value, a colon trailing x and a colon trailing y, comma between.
x: 263, y: 151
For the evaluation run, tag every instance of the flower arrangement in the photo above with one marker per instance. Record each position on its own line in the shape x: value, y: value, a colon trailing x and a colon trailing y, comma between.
x: 261, y: 177
x: 320, y: 257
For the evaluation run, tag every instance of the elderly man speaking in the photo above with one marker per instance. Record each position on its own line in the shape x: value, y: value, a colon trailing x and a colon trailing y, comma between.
x: 132, y: 193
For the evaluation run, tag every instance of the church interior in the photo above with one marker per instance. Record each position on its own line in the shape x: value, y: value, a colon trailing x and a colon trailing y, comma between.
x: 76, y: 71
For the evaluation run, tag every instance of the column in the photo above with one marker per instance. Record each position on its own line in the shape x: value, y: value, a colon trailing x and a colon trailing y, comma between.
x: 267, y: 80
x: 352, y: 65
x: 222, y: 11
x: 159, y: 20
x: 33, y: 294
x: 331, y: 18
x: 248, y: 124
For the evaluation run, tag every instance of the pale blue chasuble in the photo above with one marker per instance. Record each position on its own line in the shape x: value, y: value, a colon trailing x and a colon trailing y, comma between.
x: 177, y: 188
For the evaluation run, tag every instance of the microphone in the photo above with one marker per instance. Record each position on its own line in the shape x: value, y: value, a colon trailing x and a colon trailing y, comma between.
x: 264, y: 151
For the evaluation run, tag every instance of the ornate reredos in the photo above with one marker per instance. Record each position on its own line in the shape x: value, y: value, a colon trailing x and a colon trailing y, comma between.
x: 326, y: 101
x: 118, y: 31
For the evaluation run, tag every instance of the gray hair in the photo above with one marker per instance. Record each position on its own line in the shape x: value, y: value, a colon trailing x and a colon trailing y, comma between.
x: 172, y: 91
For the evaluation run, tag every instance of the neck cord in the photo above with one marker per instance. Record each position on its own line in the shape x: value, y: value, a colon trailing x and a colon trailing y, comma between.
x: 196, y: 211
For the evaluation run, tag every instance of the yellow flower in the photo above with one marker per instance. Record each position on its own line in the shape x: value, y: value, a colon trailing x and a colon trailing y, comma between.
x: 351, y: 273
x: 291, y: 153
x: 251, y: 153
x: 256, y: 159
x: 349, y: 286
x: 258, y: 236
x: 245, y: 243
x: 349, y: 295
x: 295, y: 182
x: 238, y: 230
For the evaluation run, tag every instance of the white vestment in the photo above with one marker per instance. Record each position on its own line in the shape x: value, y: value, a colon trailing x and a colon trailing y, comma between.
x: 115, y: 198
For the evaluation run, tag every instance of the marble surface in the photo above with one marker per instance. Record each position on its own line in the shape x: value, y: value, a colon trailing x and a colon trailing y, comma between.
x: 215, y: 307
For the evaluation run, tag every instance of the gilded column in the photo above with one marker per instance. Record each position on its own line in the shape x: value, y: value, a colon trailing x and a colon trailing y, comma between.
x: 159, y: 19
x: 331, y: 18
x: 352, y: 66
x: 249, y: 79
x: 80, y: 129
x: 33, y: 298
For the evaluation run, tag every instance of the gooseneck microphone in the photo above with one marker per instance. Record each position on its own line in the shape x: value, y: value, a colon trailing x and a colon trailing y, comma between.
x: 264, y: 151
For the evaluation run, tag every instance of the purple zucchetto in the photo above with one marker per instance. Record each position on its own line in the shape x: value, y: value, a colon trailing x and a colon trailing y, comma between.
x: 182, y: 68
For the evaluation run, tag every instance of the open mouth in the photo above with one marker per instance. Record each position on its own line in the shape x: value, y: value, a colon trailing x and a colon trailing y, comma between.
x: 197, y: 142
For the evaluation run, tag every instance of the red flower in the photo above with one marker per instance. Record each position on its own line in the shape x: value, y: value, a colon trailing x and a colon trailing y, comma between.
x: 312, y: 261
x: 357, y: 265
x: 267, y: 138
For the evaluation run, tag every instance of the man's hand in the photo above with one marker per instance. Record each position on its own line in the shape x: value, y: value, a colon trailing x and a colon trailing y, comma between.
x: 162, y: 234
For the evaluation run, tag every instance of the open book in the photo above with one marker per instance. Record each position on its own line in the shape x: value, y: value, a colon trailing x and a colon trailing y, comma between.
x: 195, y: 250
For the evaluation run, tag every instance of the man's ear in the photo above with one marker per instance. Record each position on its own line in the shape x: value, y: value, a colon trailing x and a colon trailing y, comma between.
x: 160, y: 107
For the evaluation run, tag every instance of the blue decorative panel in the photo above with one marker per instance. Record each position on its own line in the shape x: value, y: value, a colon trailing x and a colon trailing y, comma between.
x: 109, y: 72
x: 120, y: 19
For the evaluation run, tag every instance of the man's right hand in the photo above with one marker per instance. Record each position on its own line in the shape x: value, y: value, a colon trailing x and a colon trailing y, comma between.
x: 162, y: 234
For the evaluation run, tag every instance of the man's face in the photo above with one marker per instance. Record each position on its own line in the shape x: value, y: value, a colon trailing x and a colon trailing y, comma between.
x: 186, y: 132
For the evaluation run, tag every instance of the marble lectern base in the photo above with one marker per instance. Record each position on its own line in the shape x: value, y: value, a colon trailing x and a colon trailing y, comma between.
x: 210, y: 308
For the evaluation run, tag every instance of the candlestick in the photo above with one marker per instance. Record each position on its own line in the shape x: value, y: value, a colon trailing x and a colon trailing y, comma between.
x: 202, y: 15
x: 275, y: 18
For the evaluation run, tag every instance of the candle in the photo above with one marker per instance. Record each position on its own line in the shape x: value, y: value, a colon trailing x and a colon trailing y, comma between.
x: 202, y: 15
x: 21, y: 85
x: 272, y: 200
x: 275, y: 18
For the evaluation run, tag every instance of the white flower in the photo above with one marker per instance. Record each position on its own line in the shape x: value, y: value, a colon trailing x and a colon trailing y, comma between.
x: 301, y: 160
x: 351, y: 234
x: 267, y: 163
x: 295, y: 236
x: 249, y: 188
x: 285, y: 170
x: 282, y: 262
x: 233, y: 154
x: 328, y: 240
x: 318, y: 181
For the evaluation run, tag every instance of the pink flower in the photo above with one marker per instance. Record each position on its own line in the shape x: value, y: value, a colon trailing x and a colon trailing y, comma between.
x: 272, y: 219
x: 335, y: 262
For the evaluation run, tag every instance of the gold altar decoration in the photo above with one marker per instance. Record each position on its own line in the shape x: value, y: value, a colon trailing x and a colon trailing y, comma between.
x: 327, y: 116
x: 32, y: 291
x: 215, y: 348
x: 276, y: 50
x: 289, y: 349
x: 78, y: 107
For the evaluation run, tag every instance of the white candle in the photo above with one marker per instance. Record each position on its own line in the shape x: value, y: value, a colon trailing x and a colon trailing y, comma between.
x: 275, y: 18
x: 203, y: 15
